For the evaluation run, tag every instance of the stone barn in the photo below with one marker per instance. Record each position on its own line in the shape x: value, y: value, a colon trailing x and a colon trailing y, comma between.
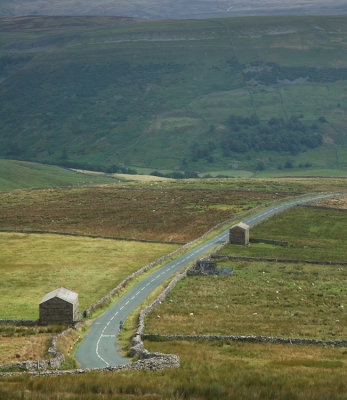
x: 239, y: 234
x: 59, y: 307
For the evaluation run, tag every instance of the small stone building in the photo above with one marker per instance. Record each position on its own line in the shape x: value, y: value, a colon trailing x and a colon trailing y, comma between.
x: 239, y: 234
x: 203, y: 267
x: 59, y: 307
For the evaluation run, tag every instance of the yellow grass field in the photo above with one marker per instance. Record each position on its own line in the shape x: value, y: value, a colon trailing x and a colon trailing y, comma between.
x: 34, y: 264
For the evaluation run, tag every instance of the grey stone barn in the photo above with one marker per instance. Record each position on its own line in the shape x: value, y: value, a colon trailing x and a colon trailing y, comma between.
x: 59, y: 307
x: 239, y: 234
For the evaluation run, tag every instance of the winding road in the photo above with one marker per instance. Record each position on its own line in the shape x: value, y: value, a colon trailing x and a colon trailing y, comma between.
x: 98, y: 349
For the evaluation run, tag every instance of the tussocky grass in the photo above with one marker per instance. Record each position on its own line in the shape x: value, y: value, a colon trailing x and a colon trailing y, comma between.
x: 209, y: 370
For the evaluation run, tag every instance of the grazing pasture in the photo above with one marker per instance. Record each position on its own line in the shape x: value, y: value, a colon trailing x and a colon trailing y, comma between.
x: 281, y: 300
x: 33, y: 265
x: 312, y: 234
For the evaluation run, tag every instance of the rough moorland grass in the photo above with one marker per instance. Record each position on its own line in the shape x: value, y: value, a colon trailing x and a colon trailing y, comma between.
x: 208, y: 371
x: 313, y: 234
x: 280, y: 184
x: 259, y: 299
x: 338, y: 202
x: 32, y: 265
x: 162, y: 214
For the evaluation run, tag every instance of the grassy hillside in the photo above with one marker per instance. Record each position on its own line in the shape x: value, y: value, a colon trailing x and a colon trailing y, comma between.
x: 20, y: 175
x: 171, y: 9
x: 205, y: 95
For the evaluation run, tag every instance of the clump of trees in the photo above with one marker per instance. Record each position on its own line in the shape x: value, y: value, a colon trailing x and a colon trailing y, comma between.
x: 250, y: 133
x: 272, y: 73
x: 176, y: 174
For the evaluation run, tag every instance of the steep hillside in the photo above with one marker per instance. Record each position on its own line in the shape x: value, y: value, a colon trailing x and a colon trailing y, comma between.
x: 204, y: 95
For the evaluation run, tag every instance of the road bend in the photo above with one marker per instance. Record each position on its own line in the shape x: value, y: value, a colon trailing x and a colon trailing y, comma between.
x: 99, y: 348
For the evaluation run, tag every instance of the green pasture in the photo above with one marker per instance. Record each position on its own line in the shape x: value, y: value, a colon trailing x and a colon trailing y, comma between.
x: 312, y: 234
x: 33, y: 265
x: 280, y: 300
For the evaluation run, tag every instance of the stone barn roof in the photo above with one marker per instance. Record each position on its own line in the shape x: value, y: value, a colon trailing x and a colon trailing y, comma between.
x: 241, y: 225
x: 62, y: 293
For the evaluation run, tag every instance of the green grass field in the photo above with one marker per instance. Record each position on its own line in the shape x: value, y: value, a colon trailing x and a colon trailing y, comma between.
x: 159, y: 94
x: 33, y: 265
x: 279, y: 300
x: 312, y: 234
x: 21, y: 175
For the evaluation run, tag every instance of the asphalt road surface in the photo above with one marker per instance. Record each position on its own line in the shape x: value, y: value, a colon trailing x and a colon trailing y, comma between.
x: 98, y: 349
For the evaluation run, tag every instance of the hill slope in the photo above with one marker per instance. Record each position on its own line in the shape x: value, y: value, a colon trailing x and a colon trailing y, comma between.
x: 21, y: 175
x: 172, y: 9
x: 245, y: 93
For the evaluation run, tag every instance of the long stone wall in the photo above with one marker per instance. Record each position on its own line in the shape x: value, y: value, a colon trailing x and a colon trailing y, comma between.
x: 277, y: 260
x: 30, y: 231
x: 324, y: 207
x: 151, y: 364
x: 269, y: 241
x: 252, y: 339
x: 19, y: 322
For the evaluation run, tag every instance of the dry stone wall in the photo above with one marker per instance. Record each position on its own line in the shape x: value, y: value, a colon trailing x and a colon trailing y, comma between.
x: 56, y: 361
x: 88, y: 236
x: 19, y: 322
x: 151, y: 364
x: 252, y: 339
x: 277, y: 260
x: 269, y: 241
x: 324, y: 207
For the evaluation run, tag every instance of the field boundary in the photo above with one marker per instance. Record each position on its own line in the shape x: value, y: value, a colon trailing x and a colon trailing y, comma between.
x: 324, y: 207
x: 269, y: 241
x: 30, y: 231
x: 252, y: 339
x: 278, y: 260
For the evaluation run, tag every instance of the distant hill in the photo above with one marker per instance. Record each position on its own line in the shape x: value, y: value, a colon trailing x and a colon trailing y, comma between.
x: 172, y: 9
x: 250, y: 94
x: 22, y: 175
